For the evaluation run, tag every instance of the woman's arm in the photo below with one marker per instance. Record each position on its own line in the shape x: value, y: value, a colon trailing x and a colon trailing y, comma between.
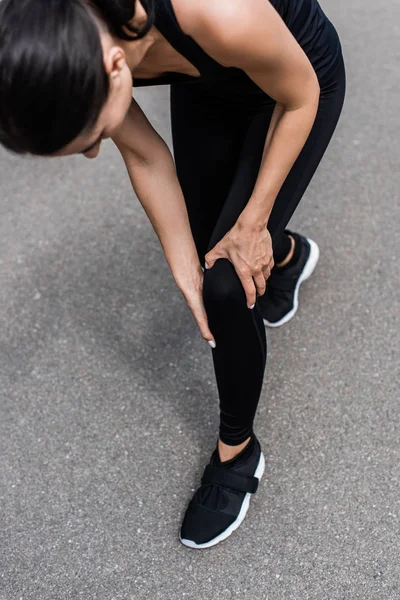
x: 252, y: 36
x: 151, y: 169
x: 280, y: 153
x: 152, y: 172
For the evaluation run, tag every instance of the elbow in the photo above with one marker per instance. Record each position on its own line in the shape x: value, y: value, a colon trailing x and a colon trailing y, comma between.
x: 314, y: 90
x: 309, y: 94
x: 308, y: 99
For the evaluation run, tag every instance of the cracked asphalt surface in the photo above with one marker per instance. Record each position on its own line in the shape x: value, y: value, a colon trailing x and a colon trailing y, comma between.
x: 109, y: 406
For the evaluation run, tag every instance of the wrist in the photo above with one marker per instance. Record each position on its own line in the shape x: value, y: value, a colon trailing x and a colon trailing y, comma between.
x: 256, y: 213
x: 191, y: 277
x: 252, y: 221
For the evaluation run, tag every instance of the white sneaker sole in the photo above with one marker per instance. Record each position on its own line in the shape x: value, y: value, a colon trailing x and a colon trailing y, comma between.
x: 305, y: 274
x: 246, y: 501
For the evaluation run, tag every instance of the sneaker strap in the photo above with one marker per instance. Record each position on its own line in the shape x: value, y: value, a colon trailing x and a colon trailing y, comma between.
x: 226, y: 478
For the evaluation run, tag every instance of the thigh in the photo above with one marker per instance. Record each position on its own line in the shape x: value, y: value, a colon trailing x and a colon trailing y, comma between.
x: 207, y: 134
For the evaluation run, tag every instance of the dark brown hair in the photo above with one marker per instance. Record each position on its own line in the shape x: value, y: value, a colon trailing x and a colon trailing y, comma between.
x: 53, y: 84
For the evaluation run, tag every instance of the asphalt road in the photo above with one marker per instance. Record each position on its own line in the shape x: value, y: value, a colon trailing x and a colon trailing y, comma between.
x: 109, y: 407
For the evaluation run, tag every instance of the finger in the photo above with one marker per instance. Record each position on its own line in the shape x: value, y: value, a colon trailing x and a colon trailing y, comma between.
x: 266, y: 272
x: 259, y: 280
x: 249, y: 288
x: 213, y: 255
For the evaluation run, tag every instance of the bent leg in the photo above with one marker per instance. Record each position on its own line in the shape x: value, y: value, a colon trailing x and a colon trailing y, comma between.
x: 208, y: 138
x: 240, y: 355
x: 241, y: 351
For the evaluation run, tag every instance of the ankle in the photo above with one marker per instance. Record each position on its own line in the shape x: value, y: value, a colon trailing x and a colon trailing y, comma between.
x: 289, y: 256
x: 227, y: 452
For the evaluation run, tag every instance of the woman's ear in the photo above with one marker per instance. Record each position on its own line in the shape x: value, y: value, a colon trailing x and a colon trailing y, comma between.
x: 114, y: 62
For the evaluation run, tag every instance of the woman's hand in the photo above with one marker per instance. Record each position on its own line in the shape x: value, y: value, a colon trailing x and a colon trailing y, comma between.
x: 249, y: 248
x: 192, y: 291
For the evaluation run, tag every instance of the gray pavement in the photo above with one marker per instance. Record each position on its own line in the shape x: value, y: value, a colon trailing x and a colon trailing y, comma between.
x: 104, y: 375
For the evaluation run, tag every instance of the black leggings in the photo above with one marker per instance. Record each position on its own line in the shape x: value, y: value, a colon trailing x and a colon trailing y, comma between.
x: 218, y: 139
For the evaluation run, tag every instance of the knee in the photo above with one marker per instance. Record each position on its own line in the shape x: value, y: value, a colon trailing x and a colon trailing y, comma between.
x: 222, y: 286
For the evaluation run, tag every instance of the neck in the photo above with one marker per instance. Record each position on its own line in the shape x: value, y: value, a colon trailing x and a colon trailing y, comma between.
x: 136, y: 50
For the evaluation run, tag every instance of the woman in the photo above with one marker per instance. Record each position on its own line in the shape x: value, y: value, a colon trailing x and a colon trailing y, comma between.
x: 257, y: 88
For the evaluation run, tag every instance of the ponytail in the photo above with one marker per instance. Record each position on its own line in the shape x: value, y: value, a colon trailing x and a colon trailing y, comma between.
x: 118, y: 13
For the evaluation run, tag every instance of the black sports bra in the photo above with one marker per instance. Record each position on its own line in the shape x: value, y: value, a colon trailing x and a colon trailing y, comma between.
x: 305, y: 18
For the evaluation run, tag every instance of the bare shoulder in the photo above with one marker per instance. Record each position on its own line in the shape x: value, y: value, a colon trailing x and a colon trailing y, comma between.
x: 222, y: 15
x: 231, y: 29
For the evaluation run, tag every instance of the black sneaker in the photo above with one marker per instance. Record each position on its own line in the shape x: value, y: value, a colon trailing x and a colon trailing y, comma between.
x: 279, y: 303
x: 220, y: 504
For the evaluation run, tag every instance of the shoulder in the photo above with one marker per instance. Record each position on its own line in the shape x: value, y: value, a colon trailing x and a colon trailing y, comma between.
x: 230, y: 30
x: 232, y: 25
x: 218, y: 16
